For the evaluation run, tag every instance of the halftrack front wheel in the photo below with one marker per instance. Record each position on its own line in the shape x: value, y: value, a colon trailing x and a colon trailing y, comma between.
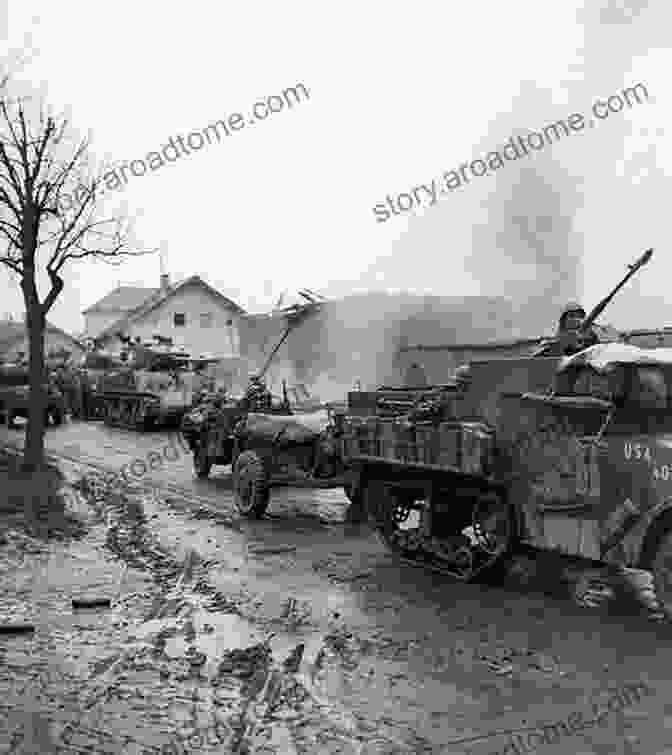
x: 661, y: 566
x: 251, y: 485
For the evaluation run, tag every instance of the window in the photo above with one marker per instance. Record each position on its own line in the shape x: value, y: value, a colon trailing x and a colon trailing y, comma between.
x: 206, y: 320
x: 179, y: 319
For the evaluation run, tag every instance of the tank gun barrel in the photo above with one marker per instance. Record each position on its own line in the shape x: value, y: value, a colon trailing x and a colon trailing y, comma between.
x: 604, y: 303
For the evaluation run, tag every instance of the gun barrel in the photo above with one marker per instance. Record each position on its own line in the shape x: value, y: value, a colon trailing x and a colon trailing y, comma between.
x: 602, y: 305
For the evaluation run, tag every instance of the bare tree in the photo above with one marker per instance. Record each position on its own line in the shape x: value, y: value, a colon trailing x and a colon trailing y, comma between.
x: 40, y: 164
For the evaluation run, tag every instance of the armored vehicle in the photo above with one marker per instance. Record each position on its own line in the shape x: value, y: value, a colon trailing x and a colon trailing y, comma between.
x: 92, y: 371
x: 570, y: 454
x: 573, y: 456
x: 156, y: 388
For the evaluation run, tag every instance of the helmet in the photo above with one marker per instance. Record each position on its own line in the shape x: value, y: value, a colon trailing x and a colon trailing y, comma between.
x: 463, y: 374
x: 572, y: 307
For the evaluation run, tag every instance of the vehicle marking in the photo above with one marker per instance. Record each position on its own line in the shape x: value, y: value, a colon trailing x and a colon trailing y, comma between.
x: 637, y: 451
x: 662, y: 473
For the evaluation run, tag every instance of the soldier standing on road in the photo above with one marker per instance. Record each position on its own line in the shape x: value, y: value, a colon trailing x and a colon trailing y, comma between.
x: 58, y: 379
x: 85, y: 394
x: 72, y: 391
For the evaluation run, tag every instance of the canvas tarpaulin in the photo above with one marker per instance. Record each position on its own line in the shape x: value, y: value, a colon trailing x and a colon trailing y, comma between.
x: 285, y: 430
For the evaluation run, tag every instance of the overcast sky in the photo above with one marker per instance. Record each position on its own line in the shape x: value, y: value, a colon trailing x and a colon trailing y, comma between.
x: 399, y: 93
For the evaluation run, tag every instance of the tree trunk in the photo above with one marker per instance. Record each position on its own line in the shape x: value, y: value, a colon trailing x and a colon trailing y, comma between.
x: 33, y: 458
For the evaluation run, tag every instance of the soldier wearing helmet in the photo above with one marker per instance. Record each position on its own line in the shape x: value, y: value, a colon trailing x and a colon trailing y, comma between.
x: 257, y: 397
x: 571, y: 335
x: 571, y: 318
x: 463, y: 377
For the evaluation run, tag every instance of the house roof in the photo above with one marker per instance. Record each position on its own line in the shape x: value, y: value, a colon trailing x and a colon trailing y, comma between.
x: 11, y: 332
x: 122, y: 299
x: 158, y: 297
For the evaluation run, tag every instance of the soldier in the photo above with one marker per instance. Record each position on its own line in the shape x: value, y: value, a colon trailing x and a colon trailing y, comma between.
x: 257, y: 397
x: 61, y: 380
x: 74, y: 391
x: 570, y: 332
x: 463, y: 377
x: 570, y: 336
x: 85, y: 395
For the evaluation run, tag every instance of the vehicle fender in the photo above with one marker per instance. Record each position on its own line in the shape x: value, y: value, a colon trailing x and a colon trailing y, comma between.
x: 657, y: 521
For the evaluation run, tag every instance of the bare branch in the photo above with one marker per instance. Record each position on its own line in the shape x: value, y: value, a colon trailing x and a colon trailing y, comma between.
x: 56, y: 288
x: 13, y: 264
x: 33, y: 181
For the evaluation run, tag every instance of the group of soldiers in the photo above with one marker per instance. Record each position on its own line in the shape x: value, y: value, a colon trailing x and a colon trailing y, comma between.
x: 77, y: 389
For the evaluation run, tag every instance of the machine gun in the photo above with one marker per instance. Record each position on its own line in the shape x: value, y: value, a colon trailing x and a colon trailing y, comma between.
x: 602, y: 305
x: 555, y: 346
x: 295, y: 315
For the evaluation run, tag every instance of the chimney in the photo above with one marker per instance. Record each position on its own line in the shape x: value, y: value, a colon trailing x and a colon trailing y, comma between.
x: 165, y: 282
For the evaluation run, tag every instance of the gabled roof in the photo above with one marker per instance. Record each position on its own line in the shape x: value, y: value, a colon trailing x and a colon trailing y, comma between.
x: 158, y: 297
x: 12, y: 332
x: 122, y: 299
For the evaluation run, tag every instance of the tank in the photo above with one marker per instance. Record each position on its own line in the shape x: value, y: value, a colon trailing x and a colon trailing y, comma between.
x: 92, y: 370
x: 156, y: 388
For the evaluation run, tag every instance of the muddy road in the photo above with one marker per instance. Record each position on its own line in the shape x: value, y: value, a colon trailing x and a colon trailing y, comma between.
x: 415, y: 662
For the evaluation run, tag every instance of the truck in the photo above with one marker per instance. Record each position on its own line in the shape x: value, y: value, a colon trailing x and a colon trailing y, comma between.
x: 15, y: 396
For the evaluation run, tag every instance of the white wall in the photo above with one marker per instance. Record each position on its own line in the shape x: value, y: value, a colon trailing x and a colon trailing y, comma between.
x: 219, y: 339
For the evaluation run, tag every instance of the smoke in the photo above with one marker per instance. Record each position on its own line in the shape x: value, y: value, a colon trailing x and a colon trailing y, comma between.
x: 520, y: 233
x: 526, y: 248
x: 356, y: 339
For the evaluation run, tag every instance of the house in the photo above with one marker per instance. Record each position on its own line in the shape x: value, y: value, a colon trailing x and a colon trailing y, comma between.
x: 191, y: 314
x: 14, y: 342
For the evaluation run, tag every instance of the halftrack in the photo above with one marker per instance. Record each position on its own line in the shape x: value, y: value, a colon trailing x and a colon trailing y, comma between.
x: 570, y: 455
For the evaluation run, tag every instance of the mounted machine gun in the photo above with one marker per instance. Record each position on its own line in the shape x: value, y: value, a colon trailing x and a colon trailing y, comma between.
x: 569, y: 342
x: 209, y: 427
